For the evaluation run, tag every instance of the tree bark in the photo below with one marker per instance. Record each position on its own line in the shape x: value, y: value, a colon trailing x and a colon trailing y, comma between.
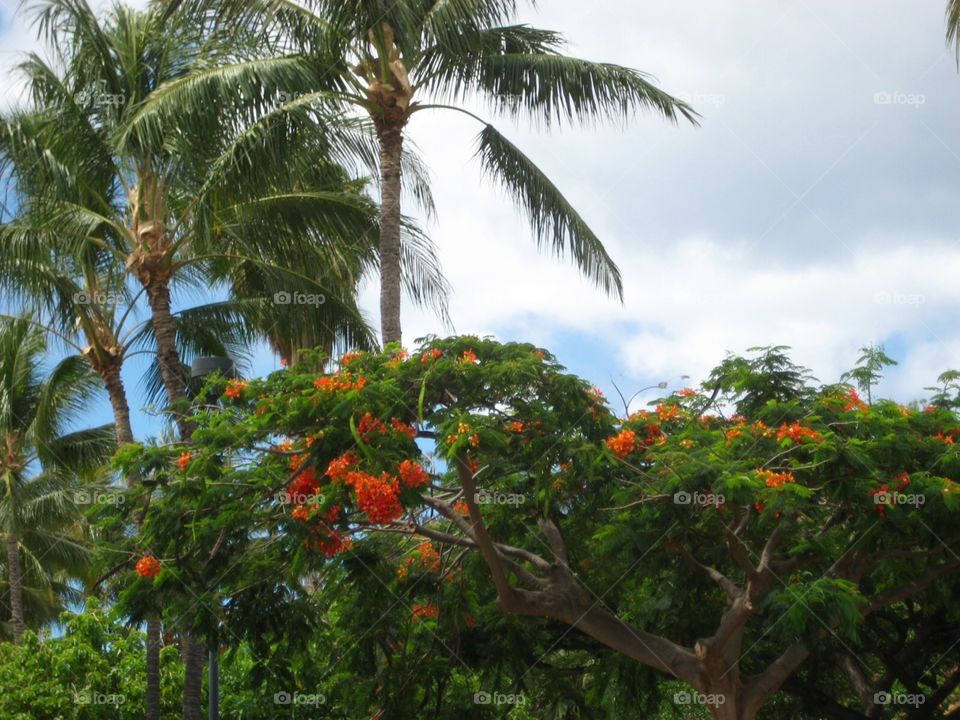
x: 121, y: 408
x: 192, y: 653
x: 171, y: 370
x: 164, y: 329
x: 16, y: 588
x: 124, y: 432
x: 153, y: 669
x: 391, y: 146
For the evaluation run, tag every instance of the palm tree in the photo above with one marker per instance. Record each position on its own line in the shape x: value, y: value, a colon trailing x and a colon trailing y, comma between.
x: 379, y: 57
x: 176, y: 208
x: 41, y: 461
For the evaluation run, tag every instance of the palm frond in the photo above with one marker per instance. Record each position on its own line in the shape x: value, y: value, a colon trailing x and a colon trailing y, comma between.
x: 552, y: 218
x: 953, y: 26
x: 553, y: 88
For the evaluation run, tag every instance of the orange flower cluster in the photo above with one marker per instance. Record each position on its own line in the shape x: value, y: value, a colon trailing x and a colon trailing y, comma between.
x: 626, y: 441
x: 462, y: 429
x: 902, y: 480
x: 235, y: 389
x: 798, y: 433
x: 148, y: 566
x: 687, y: 392
x: 461, y: 507
x: 426, y: 557
x: 667, y: 412
x: 403, y: 428
x: 377, y: 497
x: 370, y: 425
x: 327, y: 541
x: 412, y: 474
x: 339, y: 467
x: 623, y: 443
x: 349, y: 358
x: 395, y: 361
x: 425, y: 611
x: 947, y: 437
x: 184, y: 460
x: 853, y: 401
x: 515, y: 426
x: 304, y: 485
x: 775, y: 479
x: 469, y: 357
x: 300, y: 513
x: 340, y: 381
x: 430, y: 355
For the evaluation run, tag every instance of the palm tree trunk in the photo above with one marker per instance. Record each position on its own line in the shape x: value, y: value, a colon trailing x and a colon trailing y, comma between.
x: 165, y: 331
x: 124, y: 431
x: 153, y: 669
x: 16, y: 588
x: 118, y: 401
x: 192, y: 653
x: 391, y: 146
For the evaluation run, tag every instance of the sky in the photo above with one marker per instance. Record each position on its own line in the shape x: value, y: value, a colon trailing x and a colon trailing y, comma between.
x: 816, y: 205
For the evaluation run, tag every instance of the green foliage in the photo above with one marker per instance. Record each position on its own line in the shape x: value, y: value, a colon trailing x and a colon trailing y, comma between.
x: 869, y: 369
x: 93, y: 671
x: 260, y: 529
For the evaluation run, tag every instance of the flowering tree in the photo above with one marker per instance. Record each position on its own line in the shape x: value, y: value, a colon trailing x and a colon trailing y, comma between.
x: 721, y: 538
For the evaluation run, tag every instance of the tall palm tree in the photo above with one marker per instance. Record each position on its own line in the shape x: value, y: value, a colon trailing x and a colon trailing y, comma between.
x: 391, y: 59
x: 168, y: 209
x: 42, y: 459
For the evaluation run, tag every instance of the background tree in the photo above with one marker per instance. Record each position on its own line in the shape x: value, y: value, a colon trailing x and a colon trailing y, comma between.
x: 43, y: 464
x: 788, y: 524
x: 379, y: 59
x: 869, y: 369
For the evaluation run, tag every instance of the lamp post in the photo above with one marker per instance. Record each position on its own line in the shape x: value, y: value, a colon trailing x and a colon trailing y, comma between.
x: 200, y: 369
